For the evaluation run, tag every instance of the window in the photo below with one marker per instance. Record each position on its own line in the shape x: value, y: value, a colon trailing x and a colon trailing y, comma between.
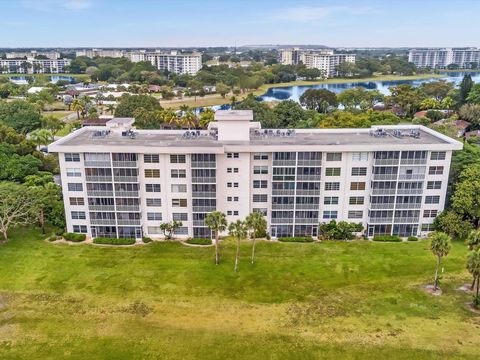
x: 260, y: 156
x: 152, y: 173
x: 233, y: 155
x: 330, y: 214
x: 229, y: 212
x: 73, y: 172
x: 334, y: 156
x: 152, y: 187
x: 235, y: 198
x: 432, y: 199
x: 151, y: 158
x: 182, y: 230
x: 229, y: 184
x: 430, y: 213
x: 179, y: 188
x: 179, y: 202
x: 260, y: 197
x: 434, y: 185
x: 235, y: 184
x: 75, y: 187
x: 180, y: 216
x: 72, y: 157
x: 260, y: 184
x: 332, y: 186
x: 177, y: 159
x: 80, y: 229
x: 77, y: 201
x: 438, y: 155
x: 332, y: 171
x: 235, y: 170
x: 151, y: 216
x: 354, y: 214
x: 330, y: 200
x: 357, y: 186
x: 360, y: 156
x: 262, y: 211
x: 435, y: 170
x: 427, y: 227
x: 260, y: 169
x: 78, y: 215
x: 178, y: 173
x: 235, y: 212
x: 359, y: 171
x: 356, y: 200
x: 154, y: 202
x: 152, y: 230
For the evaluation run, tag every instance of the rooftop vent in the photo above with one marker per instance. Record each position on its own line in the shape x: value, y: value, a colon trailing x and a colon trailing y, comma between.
x: 378, y: 133
x: 129, y: 133
x: 100, y: 134
x: 269, y: 133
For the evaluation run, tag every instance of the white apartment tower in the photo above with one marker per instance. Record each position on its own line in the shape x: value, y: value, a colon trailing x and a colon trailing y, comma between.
x: 119, y: 181
x: 173, y: 61
x: 441, y: 58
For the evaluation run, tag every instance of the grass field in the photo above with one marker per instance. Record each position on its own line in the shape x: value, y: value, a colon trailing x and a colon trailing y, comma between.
x: 165, y: 300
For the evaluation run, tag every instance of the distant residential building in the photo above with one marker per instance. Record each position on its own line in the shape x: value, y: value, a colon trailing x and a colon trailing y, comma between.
x: 442, y: 58
x: 34, y: 66
x: 92, y: 53
x: 324, y: 60
x: 173, y: 61
x: 52, y: 55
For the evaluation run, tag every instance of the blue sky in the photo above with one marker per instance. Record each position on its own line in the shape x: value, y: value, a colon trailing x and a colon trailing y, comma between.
x: 137, y: 23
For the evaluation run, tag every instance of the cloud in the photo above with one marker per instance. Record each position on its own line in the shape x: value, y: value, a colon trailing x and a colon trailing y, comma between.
x: 306, y: 14
x: 57, y: 5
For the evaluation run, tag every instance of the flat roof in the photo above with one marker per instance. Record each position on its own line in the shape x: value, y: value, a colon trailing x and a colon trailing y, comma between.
x: 234, y: 115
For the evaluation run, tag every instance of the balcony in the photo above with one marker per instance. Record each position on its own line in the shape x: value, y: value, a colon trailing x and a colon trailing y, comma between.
x: 281, y: 221
x: 198, y: 223
x: 204, y: 194
x: 204, y: 164
x: 304, y: 192
x: 382, y: 206
x: 411, y: 177
x: 283, y: 192
x: 91, y: 178
x: 413, y: 161
x: 94, y: 163
x: 383, y: 191
x: 204, y: 180
x: 383, y: 162
x: 102, y: 221
x: 128, y: 208
x: 282, y: 206
x: 381, y: 177
x: 406, y: 220
x: 284, y: 162
x: 381, y: 220
x: 130, y: 222
x: 283, y: 178
x: 307, y: 206
x: 120, y: 193
x: 203, y: 208
x: 409, y: 191
x: 306, y: 221
x: 408, y: 206
x: 308, y: 178
x: 313, y: 163
x: 125, y: 164
x: 100, y: 192
x: 101, y: 207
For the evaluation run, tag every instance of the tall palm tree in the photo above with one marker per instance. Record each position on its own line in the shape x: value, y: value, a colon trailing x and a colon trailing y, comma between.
x: 257, y: 224
x: 78, y: 107
x: 440, y: 246
x: 206, y: 117
x: 184, y: 108
x: 238, y: 230
x: 473, y: 266
x: 189, y: 119
x: 111, y: 108
x: 216, y: 222
x: 41, y: 137
x: 233, y: 100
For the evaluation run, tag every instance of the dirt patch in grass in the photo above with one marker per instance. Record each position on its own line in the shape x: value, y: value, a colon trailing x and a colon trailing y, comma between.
x: 431, y: 290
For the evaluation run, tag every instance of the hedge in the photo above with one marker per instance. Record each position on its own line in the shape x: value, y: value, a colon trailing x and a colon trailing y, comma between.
x: 114, y: 241
x: 199, y: 241
x: 387, y: 238
x: 412, y: 238
x: 302, y: 239
x: 74, y: 237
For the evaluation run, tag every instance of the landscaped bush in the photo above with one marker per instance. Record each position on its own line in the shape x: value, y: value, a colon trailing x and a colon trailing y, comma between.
x: 412, y: 238
x: 199, y: 241
x: 387, y: 238
x: 113, y: 241
x: 302, y: 239
x: 146, y: 240
x: 54, y: 237
x: 74, y: 237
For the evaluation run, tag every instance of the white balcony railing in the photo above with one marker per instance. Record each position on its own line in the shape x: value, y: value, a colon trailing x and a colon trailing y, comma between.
x: 99, y: 193
x: 92, y: 178
x: 128, y: 208
x: 131, y: 222
x: 102, y: 221
x: 408, y: 206
x: 101, y: 207
x: 127, y: 164
x: 382, y: 206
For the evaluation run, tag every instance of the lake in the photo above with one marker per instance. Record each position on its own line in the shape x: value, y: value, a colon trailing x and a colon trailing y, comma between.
x: 22, y: 80
x: 294, y: 92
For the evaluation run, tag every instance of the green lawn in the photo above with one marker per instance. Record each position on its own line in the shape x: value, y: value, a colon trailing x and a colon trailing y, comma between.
x: 168, y: 301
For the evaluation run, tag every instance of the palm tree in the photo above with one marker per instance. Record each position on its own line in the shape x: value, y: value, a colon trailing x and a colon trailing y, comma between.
x: 238, y: 230
x: 184, y: 108
x: 257, y: 223
x: 233, y: 100
x: 189, y: 120
x: 78, y: 107
x: 111, y: 108
x: 41, y: 137
x: 216, y: 222
x: 473, y: 266
x: 440, y: 246
x: 206, y: 117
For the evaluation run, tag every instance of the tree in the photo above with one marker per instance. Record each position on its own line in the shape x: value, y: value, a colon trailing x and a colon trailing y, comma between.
x: 473, y: 239
x: 289, y: 113
x: 238, y: 230
x: 346, y: 68
x: 216, y: 222
x: 222, y: 89
x: 206, y: 117
x: 342, y: 230
x: 17, y: 207
x: 41, y: 137
x: 466, y: 198
x: 195, y: 87
x: 473, y: 267
x: 111, y: 108
x: 440, y: 246
x: 406, y: 97
x: 453, y: 224
x: 20, y: 115
x: 129, y: 103
x: 78, y: 107
x: 169, y: 228
x: 437, y: 89
x: 471, y: 113
x: 255, y: 222
x: 474, y: 95
x: 52, y: 124
x: 465, y: 87
x: 320, y: 100
x: 92, y: 113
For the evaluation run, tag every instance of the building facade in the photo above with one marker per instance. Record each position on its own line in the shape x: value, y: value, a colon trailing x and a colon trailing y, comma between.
x: 173, y: 61
x: 119, y: 181
x: 34, y: 66
x: 52, y: 55
x: 92, y: 53
x: 324, y: 60
x: 442, y: 58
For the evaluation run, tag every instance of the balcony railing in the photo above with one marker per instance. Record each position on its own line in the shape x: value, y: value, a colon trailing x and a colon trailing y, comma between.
x: 95, y: 163
x: 204, y: 194
x: 413, y: 161
x: 129, y: 222
x: 102, y: 221
x: 282, y: 206
x: 383, y: 162
x: 380, y: 220
x: 91, y: 178
x: 382, y: 206
x: 126, y: 178
x: 283, y: 178
x: 128, y: 208
x: 304, y: 192
x: 101, y: 207
x: 314, y: 163
x: 406, y: 220
x: 281, y: 192
x: 411, y: 177
x: 203, y: 208
x: 120, y: 193
x: 382, y: 177
x: 99, y: 193
x: 284, y: 162
x: 307, y: 206
x: 383, y: 191
x: 204, y: 164
x: 204, y: 180
x: 282, y: 221
x: 198, y: 223
x: 309, y: 177
x: 409, y: 191
x: 306, y: 221
x: 127, y: 164
x: 408, y: 206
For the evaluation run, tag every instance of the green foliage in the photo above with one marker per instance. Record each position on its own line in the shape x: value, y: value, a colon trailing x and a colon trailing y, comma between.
x: 20, y: 115
x: 261, y: 111
x: 387, y: 238
x: 453, y: 224
x: 406, y: 98
x: 74, y: 237
x: 342, y: 230
x: 257, y: 224
x: 128, y: 104
x: 437, y: 89
x: 471, y: 113
x: 435, y: 115
x: 169, y: 228
x: 320, y: 100
x: 113, y: 241
x: 298, y: 239
x: 474, y: 95
x: 412, y: 238
x: 199, y: 241
x: 440, y: 244
x: 466, y: 198
x: 288, y: 113
x: 146, y: 240
x: 465, y: 88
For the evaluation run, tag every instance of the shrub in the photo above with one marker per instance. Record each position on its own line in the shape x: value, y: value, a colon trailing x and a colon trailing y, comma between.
x: 114, y: 241
x: 387, y: 238
x: 412, y: 238
x: 199, y: 241
x: 303, y: 239
x: 259, y: 234
x: 53, y: 238
x: 74, y: 237
x: 146, y: 240
x: 268, y: 237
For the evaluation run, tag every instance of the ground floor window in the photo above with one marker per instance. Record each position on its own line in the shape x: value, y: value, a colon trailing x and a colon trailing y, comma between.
x: 306, y: 230
x: 201, y: 232
x: 129, y: 232
x: 405, y: 230
x: 382, y: 229
x: 104, y: 231
x: 281, y: 230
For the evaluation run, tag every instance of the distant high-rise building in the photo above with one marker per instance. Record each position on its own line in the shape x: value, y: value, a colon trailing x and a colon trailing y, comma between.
x: 442, y: 58
x: 52, y: 55
x: 173, y: 61
x: 92, y: 53
x: 34, y: 66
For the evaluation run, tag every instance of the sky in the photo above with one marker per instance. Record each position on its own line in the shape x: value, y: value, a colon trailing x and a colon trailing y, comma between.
x: 199, y: 23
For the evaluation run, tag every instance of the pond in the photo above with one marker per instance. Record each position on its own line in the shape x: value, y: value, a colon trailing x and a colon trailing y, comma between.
x: 22, y: 80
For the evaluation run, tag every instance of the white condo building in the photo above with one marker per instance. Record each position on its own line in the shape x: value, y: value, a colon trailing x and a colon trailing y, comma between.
x: 52, y: 55
x: 34, y: 66
x: 173, y: 61
x: 324, y: 60
x: 119, y: 181
x: 92, y: 53
x: 442, y: 58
